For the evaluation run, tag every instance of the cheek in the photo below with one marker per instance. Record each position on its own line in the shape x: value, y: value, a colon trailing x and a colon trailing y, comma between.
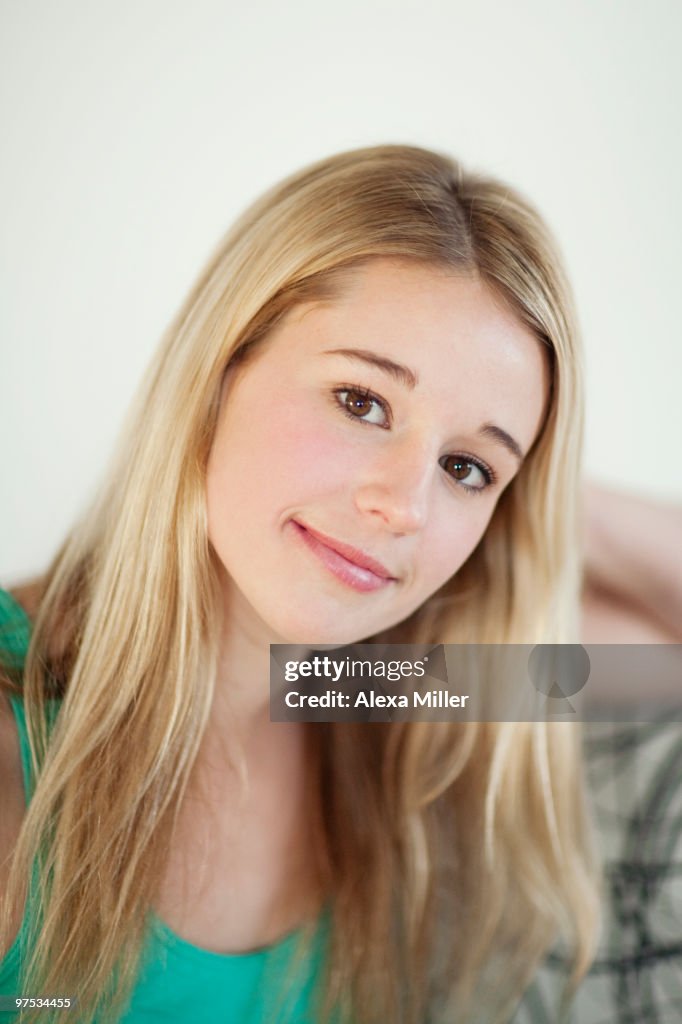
x: 455, y: 536
x: 316, y: 457
x: 261, y: 465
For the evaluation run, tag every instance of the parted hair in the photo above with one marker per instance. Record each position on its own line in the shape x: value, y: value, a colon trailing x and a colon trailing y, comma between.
x: 454, y: 855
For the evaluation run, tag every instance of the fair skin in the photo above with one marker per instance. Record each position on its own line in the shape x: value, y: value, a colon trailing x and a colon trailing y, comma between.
x: 321, y: 444
x: 301, y: 446
x: 633, y: 584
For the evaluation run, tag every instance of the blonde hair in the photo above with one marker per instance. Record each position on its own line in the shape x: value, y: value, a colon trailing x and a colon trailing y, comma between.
x: 455, y: 854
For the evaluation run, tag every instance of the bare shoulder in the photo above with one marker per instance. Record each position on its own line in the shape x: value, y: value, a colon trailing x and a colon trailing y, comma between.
x: 12, y: 799
x: 12, y: 796
x: 29, y: 595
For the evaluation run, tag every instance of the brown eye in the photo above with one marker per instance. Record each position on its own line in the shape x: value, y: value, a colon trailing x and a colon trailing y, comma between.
x: 460, y: 470
x: 363, y: 406
x: 360, y: 405
x: 471, y: 475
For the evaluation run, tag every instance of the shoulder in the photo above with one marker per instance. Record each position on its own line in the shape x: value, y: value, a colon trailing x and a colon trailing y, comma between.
x: 27, y: 596
x: 16, y: 609
x: 12, y: 789
x: 15, y: 634
x: 15, y: 630
x: 12, y: 800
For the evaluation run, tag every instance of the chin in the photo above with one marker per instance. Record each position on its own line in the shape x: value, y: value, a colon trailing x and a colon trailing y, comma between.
x: 310, y: 626
x: 315, y: 634
x: 329, y: 631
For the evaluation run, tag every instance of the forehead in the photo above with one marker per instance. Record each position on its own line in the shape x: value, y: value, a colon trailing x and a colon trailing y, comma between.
x: 461, y: 339
x: 424, y: 310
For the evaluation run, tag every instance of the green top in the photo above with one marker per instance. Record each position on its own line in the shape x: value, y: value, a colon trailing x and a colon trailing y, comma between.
x: 177, y: 981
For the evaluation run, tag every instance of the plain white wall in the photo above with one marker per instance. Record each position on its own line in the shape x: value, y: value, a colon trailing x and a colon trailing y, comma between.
x: 133, y: 132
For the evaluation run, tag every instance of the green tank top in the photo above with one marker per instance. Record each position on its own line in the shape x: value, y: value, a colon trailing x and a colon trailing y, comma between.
x: 178, y: 981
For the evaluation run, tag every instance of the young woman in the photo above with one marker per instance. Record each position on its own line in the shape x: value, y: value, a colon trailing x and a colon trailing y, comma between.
x: 364, y: 424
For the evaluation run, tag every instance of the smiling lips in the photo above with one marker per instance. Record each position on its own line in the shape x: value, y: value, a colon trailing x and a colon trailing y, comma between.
x: 348, y: 564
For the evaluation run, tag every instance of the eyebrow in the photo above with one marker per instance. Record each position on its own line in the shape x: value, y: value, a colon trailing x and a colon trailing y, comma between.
x: 502, y: 437
x: 409, y: 378
x: 403, y: 374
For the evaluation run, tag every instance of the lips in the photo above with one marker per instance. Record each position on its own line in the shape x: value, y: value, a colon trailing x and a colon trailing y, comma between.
x: 347, y: 563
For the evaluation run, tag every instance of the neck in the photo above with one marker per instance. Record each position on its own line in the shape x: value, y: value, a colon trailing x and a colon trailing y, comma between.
x: 251, y: 769
x: 239, y: 729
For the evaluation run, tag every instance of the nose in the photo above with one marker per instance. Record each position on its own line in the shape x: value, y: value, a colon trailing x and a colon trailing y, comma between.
x: 396, y: 488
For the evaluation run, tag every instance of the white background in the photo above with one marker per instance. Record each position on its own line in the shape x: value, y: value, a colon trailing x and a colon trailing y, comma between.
x: 134, y: 131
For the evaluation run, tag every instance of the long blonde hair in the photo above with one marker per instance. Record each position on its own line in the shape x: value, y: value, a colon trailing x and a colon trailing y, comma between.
x: 455, y: 854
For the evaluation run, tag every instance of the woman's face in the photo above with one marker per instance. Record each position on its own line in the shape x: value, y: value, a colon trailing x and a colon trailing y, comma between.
x: 360, y: 453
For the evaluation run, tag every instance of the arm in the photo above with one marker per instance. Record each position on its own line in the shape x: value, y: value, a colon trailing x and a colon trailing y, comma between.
x: 633, y: 569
